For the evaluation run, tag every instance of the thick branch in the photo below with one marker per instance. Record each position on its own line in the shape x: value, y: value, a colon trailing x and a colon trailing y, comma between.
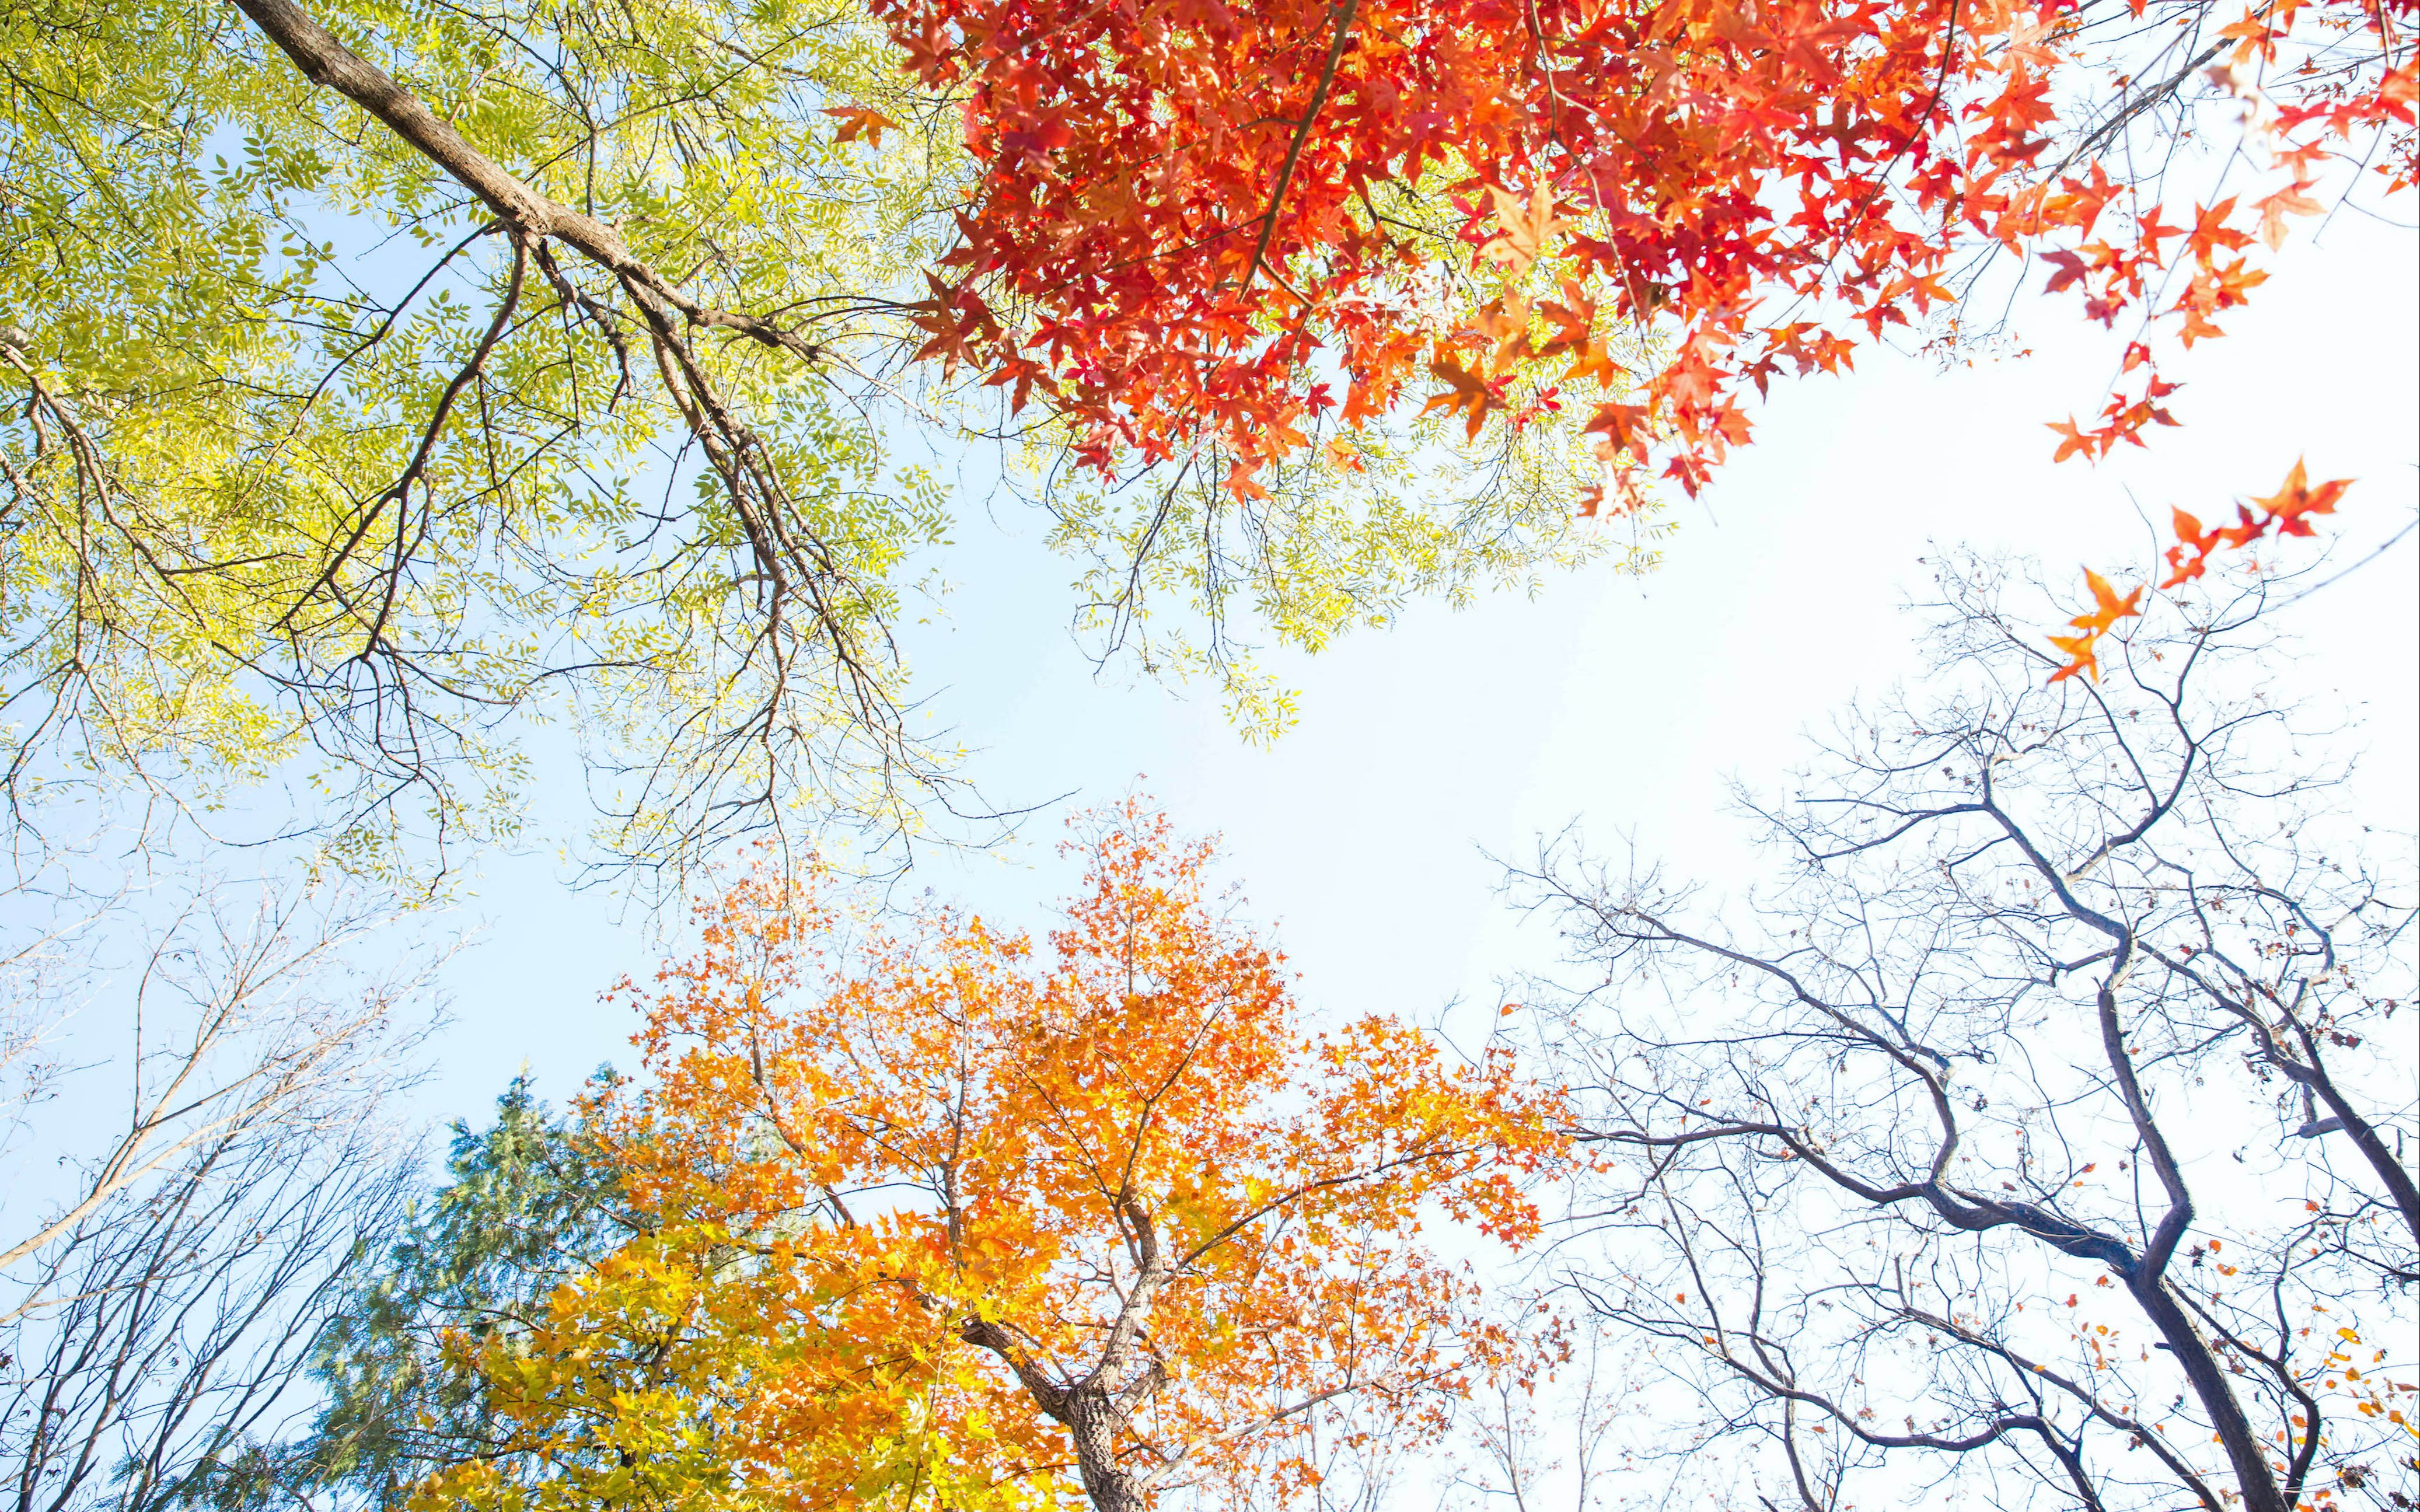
x: 326, y: 61
x: 1301, y: 135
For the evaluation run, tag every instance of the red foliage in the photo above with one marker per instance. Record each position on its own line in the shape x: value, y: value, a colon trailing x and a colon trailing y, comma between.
x: 1177, y: 238
x: 1205, y: 230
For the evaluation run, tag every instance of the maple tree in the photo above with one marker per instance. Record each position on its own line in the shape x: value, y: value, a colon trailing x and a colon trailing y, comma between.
x: 937, y: 1217
x: 1215, y: 236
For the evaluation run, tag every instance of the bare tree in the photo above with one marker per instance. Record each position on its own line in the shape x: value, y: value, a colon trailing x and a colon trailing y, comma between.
x: 225, y: 1031
x: 220, y: 1172
x: 1549, y: 1439
x: 2042, y: 1133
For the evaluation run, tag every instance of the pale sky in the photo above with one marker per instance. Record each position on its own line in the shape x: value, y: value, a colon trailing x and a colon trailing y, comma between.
x: 1625, y: 704
x: 1361, y: 838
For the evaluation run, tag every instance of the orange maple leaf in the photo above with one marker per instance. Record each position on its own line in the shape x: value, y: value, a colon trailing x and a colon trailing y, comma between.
x: 1596, y: 361
x: 1523, y: 228
x: 2107, y: 607
x: 1506, y: 322
x: 2193, y: 541
x: 2197, y: 328
x: 862, y: 120
x: 1575, y: 322
x: 2076, y: 441
x: 1624, y: 426
x: 1467, y: 391
x: 2078, y: 651
x: 2290, y: 506
x: 2082, y: 651
x: 2244, y: 532
x: 2070, y: 268
x: 2210, y: 233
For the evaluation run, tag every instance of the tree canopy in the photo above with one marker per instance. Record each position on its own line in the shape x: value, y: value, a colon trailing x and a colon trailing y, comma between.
x: 1220, y: 236
x: 957, y: 1218
x: 406, y: 402
x: 387, y: 379
x: 527, y: 1203
x: 319, y: 453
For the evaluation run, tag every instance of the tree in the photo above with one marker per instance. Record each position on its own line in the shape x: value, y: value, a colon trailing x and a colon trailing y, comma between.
x: 160, y: 1302
x: 529, y: 1204
x: 158, y: 1351
x: 949, y: 1217
x: 2043, y: 1132
x: 231, y: 1027
x: 1245, y: 233
x: 384, y: 378
x: 325, y: 450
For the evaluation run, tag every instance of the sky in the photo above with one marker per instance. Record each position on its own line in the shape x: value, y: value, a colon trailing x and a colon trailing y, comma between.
x: 1368, y: 838
x: 1371, y: 840
x: 1364, y: 834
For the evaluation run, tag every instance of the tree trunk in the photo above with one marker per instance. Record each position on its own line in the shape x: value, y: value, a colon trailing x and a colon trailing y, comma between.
x: 2244, y: 1451
x: 1092, y: 1422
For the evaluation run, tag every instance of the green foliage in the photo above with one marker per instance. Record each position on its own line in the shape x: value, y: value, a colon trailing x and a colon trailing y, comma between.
x: 1181, y: 575
x: 529, y: 1203
x: 318, y: 462
x: 245, y: 525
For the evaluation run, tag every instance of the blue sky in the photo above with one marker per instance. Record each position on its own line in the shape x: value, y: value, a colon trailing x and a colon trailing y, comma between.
x: 1623, y: 704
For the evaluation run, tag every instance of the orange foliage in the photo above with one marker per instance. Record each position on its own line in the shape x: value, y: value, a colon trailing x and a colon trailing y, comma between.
x: 2287, y: 512
x: 2107, y: 609
x: 1005, y: 1211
